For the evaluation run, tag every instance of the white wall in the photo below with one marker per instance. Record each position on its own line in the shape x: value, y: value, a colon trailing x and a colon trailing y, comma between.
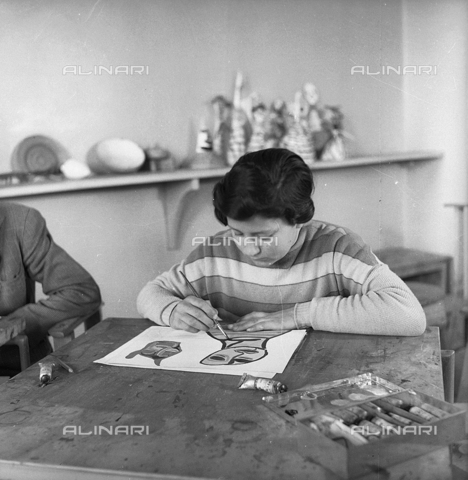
x: 192, y: 49
x: 435, y: 109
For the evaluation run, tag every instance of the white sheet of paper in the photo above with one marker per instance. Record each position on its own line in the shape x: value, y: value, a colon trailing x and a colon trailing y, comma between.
x: 262, y: 354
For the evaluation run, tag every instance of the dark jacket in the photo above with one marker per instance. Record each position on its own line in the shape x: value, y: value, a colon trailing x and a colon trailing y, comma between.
x: 28, y: 254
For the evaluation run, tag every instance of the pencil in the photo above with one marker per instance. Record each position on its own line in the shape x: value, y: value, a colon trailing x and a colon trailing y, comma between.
x: 215, y: 318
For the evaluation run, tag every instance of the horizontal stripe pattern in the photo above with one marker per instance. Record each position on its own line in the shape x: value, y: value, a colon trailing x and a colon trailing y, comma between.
x: 330, y: 274
x: 319, y: 267
x: 322, y: 263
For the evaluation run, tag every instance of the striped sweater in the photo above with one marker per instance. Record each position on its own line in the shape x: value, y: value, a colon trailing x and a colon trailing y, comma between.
x: 330, y: 276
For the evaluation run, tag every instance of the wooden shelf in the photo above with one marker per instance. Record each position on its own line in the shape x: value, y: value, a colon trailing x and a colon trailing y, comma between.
x: 176, y: 185
x: 146, y: 178
x: 408, y: 158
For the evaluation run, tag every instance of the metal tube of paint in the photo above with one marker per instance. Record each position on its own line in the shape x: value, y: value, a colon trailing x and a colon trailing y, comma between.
x: 437, y: 412
x: 360, y: 412
x: 45, y: 372
x: 396, y: 402
x: 386, y: 426
x: 258, y: 383
x: 422, y: 413
x: 401, y: 419
x: 370, y: 431
x: 347, y: 416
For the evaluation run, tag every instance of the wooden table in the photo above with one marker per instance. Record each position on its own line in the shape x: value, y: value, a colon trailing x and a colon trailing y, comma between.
x: 198, y: 425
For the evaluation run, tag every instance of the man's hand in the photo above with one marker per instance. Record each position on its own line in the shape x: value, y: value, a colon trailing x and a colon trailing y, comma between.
x: 192, y: 315
x: 258, y: 321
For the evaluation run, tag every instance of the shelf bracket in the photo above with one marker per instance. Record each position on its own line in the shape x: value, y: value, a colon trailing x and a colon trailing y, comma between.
x: 173, y: 195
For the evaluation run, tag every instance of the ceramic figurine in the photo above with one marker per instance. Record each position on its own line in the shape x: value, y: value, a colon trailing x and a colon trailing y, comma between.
x: 334, y: 149
x: 249, y: 103
x: 276, y: 124
x: 299, y: 139
x: 238, y: 139
x: 257, y: 140
x: 221, y: 110
x: 204, y: 155
x: 311, y: 107
x: 159, y: 159
x: 204, y: 148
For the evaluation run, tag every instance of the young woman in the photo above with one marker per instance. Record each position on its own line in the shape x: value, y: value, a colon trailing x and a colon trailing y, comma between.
x: 275, y: 268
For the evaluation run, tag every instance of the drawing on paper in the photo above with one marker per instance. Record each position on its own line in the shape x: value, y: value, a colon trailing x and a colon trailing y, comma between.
x: 240, y: 348
x: 261, y: 354
x: 158, y: 351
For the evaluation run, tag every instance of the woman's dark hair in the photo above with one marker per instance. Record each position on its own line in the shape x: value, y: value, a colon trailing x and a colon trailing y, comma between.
x: 272, y: 183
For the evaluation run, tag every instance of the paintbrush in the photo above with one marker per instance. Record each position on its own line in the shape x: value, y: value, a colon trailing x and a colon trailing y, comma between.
x: 63, y: 364
x: 215, y: 318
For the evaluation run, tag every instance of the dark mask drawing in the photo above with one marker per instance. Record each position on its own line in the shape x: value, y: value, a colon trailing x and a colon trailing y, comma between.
x: 158, y: 351
x: 240, y: 348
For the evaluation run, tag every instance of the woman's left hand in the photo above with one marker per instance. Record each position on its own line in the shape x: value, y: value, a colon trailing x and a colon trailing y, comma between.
x: 258, y: 321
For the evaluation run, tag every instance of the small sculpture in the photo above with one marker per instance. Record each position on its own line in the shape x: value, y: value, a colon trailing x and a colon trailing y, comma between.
x: 204, y: 148
x: 239, y: 122
x: 276, y: 127
x: 204, y: 155
x: 221, y: 129
x: 257, y: 140
x: 305, y: 126
x: 159, y: 159
x: 334, y: 149
x: 311, y: 112
x: 299, y: 139
x: 249, y: 103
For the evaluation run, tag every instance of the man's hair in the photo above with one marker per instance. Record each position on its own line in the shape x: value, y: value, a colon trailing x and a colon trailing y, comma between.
x: 273, y: 183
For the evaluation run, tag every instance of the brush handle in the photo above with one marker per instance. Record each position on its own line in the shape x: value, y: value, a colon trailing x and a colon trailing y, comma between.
x: 196, y: 294
x: 399, y: 411
x: 375, y: 411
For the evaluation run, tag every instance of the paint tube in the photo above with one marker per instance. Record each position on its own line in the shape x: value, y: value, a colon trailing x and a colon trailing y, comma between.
x: 360, y: 412
x: 45, y: 372
x: 422, y: 413
x: 437, y: 412
x: 396, y: 402
x: 257, y: 383
x: 384, y: 424
x: 401, y: 419
x: 345, y: 415
x: 369, y: 430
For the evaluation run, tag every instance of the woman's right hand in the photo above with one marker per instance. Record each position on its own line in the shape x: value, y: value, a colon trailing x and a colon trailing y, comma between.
x: 192, y: 314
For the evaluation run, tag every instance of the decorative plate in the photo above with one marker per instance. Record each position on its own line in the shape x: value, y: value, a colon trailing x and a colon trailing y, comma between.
x: 38, y: 154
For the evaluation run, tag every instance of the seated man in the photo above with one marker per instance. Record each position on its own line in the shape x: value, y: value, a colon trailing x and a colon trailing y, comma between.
x: 275, y: 268
x: 27, y: 255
